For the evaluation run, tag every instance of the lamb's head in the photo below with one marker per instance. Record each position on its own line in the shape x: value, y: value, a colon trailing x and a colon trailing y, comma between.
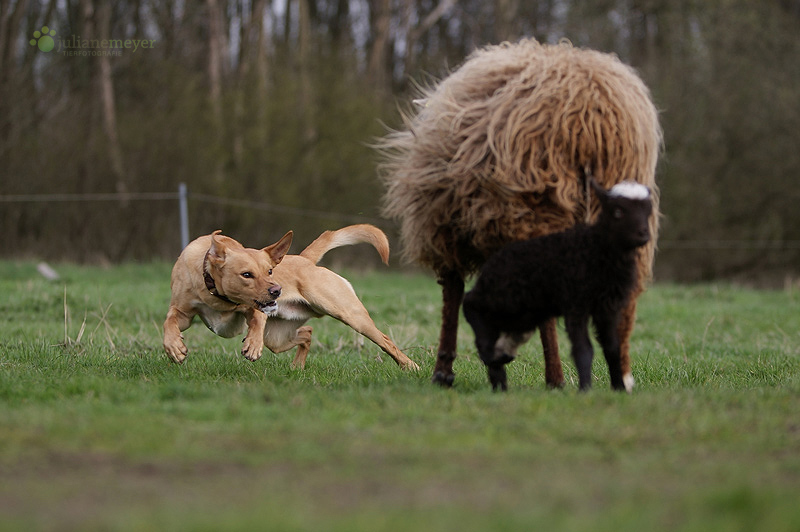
x: 625, y: 215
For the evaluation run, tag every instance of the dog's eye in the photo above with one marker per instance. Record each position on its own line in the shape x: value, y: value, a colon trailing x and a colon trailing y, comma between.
x: 248, y: 275
x: 618, y: 213
x: 270, y: 272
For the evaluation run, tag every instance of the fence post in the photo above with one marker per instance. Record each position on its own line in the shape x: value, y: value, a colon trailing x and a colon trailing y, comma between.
x: 184, y: 212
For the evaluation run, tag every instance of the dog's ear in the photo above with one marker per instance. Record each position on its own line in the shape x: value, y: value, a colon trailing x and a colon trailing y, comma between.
x: 217, y: 250
x: 277, y: 250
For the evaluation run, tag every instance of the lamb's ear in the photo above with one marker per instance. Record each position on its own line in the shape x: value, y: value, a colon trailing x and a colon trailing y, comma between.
x: 602, y: 194
x: 277, y: 250
x: 217, y: 251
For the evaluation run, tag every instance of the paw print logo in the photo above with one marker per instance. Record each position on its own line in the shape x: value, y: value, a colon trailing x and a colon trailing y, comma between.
x: 43, y: 39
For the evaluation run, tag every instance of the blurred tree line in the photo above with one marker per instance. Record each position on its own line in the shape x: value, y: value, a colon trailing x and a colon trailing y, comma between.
x: 276, y: 102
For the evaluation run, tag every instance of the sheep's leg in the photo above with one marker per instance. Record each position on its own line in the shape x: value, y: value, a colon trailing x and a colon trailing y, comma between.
x: 624, y: 331
x: 609, y: 339
x: 582, y: 352
x: 452, y: 295
x: 553, y: 373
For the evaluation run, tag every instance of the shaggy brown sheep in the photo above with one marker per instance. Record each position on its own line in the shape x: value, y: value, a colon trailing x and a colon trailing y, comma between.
x: 499, y: 150
x: 581, y: 273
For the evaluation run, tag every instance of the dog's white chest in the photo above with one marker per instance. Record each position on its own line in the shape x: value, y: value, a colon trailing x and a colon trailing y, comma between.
x: 294, y: 310
x: 225, y: 324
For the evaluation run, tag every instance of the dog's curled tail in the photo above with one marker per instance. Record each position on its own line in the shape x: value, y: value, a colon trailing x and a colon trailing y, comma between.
x: 346, y: 236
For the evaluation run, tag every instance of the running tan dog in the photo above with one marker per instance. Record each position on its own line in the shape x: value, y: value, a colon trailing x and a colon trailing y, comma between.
x: 269, y: 293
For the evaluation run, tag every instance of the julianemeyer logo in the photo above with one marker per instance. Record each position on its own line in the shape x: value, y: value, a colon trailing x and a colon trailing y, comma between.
x: 74, y: 45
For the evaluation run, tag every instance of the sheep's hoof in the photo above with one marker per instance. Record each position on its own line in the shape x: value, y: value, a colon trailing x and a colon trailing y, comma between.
x: 445, y: 380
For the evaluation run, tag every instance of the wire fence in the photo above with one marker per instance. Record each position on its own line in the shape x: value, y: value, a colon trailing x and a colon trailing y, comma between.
x: 676, y: 255
x: 182, y: 196
x: 283, y: 209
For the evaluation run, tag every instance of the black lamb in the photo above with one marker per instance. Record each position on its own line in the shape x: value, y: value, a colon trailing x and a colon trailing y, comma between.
x: 585, y: 272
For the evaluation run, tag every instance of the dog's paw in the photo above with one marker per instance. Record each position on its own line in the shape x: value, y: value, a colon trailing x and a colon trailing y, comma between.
x: 251, y: 350
x: 176, y: 349
x: 410, y: 365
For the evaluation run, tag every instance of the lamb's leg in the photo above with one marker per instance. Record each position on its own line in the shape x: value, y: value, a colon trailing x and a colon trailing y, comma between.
x: 493, y: 355
x: 452, y: 294
x: 624, y: 331
x: 607, y: 336
x: 582, y: 353
x: 497, y: 375
x: 553, y: 373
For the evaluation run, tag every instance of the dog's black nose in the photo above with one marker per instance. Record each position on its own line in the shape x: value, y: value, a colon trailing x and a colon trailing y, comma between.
x: 274, y: 291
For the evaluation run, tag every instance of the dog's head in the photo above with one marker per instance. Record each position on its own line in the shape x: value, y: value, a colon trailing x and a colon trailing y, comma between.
x: 244, y: 275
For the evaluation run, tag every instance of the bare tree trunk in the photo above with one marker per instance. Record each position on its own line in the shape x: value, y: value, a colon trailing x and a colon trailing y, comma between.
x: 306, y: 85
x: 380, y: 22
x: 287, y: 22
x: 216, y: 51
x: 9, y: 22
x: 167, y: 22
x: 339, y: 25
x: 505, y: 17
x: 251, y: 75
x: 4, y: 26
x: 95, y: 25
x: 261, y: 45
x: 107, y: 99
x: 413, y: 35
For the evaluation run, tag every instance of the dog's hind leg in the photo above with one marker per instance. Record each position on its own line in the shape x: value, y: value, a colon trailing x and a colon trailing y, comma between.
x: 333, y: 295
x: 359, y: 320
x: 283, y: 335
x: 303, y: 342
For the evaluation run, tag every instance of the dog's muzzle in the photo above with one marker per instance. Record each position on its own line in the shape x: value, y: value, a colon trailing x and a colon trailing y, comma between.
x: 269, y: 307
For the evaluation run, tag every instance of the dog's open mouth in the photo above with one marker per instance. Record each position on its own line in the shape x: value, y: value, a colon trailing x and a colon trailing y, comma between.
x: 267, y: 307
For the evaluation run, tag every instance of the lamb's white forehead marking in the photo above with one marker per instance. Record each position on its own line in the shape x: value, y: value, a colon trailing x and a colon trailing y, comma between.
x: 630, y: 190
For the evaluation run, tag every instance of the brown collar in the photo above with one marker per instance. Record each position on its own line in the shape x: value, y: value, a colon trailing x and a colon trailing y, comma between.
x: 210, y: 284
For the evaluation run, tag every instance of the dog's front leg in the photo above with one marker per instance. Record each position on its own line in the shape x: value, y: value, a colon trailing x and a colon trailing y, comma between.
x: 254, y: 341
x: 176, y: 322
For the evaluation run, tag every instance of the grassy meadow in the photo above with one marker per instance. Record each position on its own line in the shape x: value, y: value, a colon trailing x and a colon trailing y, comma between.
x: 98, y: 431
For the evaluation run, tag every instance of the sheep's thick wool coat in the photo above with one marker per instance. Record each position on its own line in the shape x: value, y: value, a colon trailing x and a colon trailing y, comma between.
x: 498, y: 151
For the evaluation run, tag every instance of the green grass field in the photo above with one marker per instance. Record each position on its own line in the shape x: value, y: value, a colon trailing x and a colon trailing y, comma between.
x: 98, y: 431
